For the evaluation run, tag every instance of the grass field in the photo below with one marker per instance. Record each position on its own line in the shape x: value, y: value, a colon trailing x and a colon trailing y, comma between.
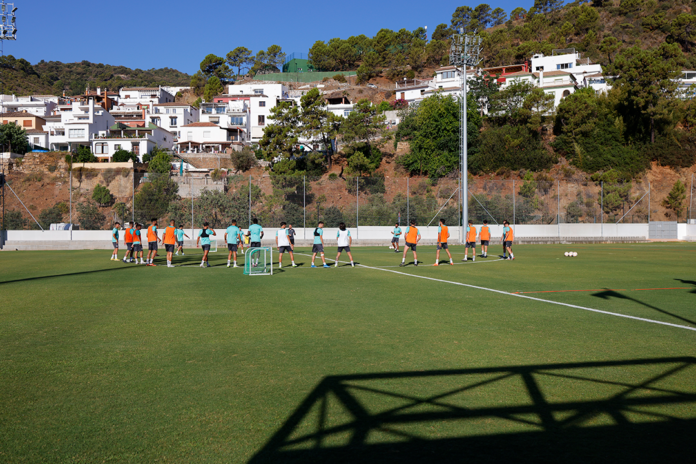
x: 106, y: 362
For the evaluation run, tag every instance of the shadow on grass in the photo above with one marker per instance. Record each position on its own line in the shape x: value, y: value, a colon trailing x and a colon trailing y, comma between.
x: 70, y: 274
x: 614, y: 294
x: 689, y: 282
x: 617, y: 411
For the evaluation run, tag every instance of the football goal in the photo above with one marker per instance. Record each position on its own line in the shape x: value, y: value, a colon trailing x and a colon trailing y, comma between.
x: 258, y: 261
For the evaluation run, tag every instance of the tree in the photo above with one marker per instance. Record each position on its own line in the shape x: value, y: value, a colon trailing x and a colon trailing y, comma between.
x: 280, y: 138
x: 317, y: 122
x: 275, y: 57
x: 268, y: 61
x: 675, y: 198
x: 684, y: 29
x: 84, y: 155
x: 498, y: 17
x: 547, y: 6
x: 363, y: 125
x: 212, y: 89
x: 198, y: 81
x: 239, y: 58
x: 609, y: 46
x: 566, y: 31
x: 648, y: 80
x: 482, y: 14
x: 483, y: 87
x: 213, y: 65
x: 517, y: 14
x: 442, y: 32
x: 89, y: 216
x: 464, y: 18
x: 529, y: 186
x: 14, y: 138
x: 14, y: 221
x: 101, y: 195
x: 537, y: 105
x: 244, y: 159
x: 160, y: 162
x: 122, y: 156
x: 49, y: 216
x: 320, y: 57
x: 507, y: 105
x: 369, y: 68
x: 154, y: 197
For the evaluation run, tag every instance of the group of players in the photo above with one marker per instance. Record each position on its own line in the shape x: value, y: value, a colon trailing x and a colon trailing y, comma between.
x: 412, y: 237
x: 173, y: 239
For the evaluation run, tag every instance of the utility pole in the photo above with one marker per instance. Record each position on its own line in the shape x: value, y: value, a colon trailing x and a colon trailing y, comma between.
x: 465, y: 51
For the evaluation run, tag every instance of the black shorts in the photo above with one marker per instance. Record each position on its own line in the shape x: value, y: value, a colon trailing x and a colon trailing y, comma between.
x: 471, y: 244
x: 292, y: 240
x: 232, y: 247
x: 255, y: 245
x: 284, y: 249
x: 205, y: 247
x: 411, y: 246
x: 345, y: 248
x: 395, y: 239
x: 442, y: 246
x: 317, y: 248
x: 138, y: 247
x: 484, y: 242
x: 180, y: 243
x: 169, y: 248
x: 152, y: 246
x: 129, y: 246
x: 507, y: 243
x: 115, y: 244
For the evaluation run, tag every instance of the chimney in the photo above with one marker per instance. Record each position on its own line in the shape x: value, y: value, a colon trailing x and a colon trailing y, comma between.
x: 541, y: 78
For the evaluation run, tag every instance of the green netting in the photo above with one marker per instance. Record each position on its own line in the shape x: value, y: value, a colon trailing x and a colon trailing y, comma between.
x: 300, y: 77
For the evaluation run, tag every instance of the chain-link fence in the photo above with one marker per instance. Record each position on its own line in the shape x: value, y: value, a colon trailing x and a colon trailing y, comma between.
x: 96, y: 196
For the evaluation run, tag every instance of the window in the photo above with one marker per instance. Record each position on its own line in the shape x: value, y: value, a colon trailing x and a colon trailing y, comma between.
x: 76, y: 133
x: 214, y: 120
x: 564, y: 66
x: 206, y: 134
x: 101, y: 149
x: 26, y: 123
x: 36, y: 140
x: 156, y: 121
x: 173, y: 121
x: 237, y: 120
x: 539, y: 68
x: 262, y: 120
x: 220, y: 110
x: 566, y: 93
x: 346, y: 113
x: 262, y: 104
x: 447, y: 75
x: 258, y: 91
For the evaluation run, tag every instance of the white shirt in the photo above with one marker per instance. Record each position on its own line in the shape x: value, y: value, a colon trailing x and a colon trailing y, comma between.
x: 282, y: 235
x: 342, y: 237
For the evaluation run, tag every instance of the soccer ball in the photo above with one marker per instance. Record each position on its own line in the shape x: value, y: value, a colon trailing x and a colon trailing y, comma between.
x: 566, y: 254
x: 575, y: 253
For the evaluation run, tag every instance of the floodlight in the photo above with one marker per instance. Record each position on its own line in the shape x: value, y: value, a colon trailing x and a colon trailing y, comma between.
x: 14, y: 9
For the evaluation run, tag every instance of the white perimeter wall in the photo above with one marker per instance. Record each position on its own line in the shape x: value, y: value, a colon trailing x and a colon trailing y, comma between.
x: 384, y: 233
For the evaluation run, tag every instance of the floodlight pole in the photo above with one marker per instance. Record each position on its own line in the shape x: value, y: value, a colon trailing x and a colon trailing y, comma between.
x: 691, y: 198
x: 8, y: 23
x: 464, y: 51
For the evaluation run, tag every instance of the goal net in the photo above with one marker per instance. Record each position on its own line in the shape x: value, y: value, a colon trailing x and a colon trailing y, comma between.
x: 258, y: 261
x: 213, y: 246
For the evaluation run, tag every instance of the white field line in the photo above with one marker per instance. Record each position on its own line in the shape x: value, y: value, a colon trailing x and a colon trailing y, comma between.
x: 516, y: 295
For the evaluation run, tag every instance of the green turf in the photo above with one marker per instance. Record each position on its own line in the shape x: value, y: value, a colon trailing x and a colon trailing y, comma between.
x: 106, y: 362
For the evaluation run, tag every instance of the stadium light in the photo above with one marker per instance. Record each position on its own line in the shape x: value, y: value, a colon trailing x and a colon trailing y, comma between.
x: 464, y: 51
x: 8, y: 27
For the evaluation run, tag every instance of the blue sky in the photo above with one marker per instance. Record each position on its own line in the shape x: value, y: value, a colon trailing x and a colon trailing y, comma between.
x: 178, y: 34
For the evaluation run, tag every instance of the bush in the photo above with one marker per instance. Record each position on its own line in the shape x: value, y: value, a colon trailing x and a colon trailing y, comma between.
x: 63, y: 207
x: 84, y: 155
x: 101, y: 195
x: 49, y: 216
x: 122, y: 211
x: 89, y: 216
x: 511, y: 147
x: 122, y: 156
x: 244, y: 159
x: 14, y: 221
x: 410, y: 74
x: 340, y: 78
x: 52, y: 168
x: 109, y: 175
x: 326, y: 79
x: 333, y: 176
x: 217, y: 174
x: 384, y: 106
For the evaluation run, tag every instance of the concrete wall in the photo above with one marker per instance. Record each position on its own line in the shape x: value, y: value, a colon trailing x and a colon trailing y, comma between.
x: 101, y: 239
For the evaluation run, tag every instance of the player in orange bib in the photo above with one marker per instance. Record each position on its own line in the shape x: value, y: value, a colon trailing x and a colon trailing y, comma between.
x: 485, y: 239
x: 152, y: 240
x: 442, y: 236
x: 470, y: 241
x: 170, y: 241
x: 508, y: 237
x: 128, y: 238
x: 412, y: 239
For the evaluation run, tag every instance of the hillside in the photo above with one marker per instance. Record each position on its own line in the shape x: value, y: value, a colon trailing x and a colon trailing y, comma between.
x: 54, y: 77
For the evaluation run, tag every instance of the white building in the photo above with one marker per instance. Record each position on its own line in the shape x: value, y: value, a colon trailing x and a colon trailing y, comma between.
x: 172, y: 116
x: 39, y: 105
x: 175, y: 90
x: 77, y: 124
x: 205, y: 137
x: 146, y: 96
x: 687, y: 84
x: 139, y: 140
x: 261, y: 97
x: 560, y: 84
x: 567, y: 60
x: 595, y: 81
x: 447, y: 81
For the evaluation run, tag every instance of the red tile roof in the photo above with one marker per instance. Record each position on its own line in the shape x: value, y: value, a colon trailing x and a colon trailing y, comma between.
x: 201, y: 124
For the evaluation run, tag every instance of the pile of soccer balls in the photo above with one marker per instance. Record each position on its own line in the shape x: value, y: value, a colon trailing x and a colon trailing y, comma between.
x: 571, y: 254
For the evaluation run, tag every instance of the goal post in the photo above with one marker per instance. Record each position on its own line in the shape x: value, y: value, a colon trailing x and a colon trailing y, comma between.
x: 258, y: 261
x: 213, y: 246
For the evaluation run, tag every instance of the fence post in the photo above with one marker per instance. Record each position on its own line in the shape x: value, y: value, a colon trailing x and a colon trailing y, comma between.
x: 357, y: 207
x: 191, y: 183
x: 304, y: 207
x: 249, y: 223
x: 133, y: 194
x: 649, y: 193
x: 408, y: 209
x: 691, y: 197
x: 558, y: 206
x: 601, y: 208
x: 70, y: 187
x: 514, y: 211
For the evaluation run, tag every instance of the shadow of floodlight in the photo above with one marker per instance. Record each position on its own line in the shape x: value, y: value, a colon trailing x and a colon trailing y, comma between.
x: 614, y: 294
x: 631, y: 411
x: 690, y: 282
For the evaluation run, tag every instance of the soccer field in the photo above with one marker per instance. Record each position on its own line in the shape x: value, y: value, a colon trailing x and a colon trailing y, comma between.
x: 541, y: 359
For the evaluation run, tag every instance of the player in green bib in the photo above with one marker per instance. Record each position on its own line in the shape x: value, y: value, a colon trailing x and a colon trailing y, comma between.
x: 233, y: 237
x: 114, y: 241
x: 180, y: 234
